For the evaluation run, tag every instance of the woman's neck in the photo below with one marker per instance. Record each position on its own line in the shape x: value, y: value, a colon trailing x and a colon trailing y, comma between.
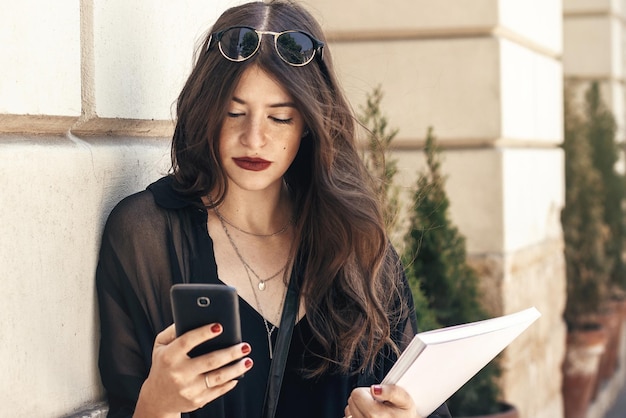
x: 257, y: 212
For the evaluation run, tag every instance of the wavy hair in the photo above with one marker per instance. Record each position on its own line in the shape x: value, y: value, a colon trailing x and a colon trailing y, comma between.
x: 350, y: 281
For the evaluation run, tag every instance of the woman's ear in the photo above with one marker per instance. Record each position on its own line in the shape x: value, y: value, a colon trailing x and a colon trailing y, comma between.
x: 305, y: 132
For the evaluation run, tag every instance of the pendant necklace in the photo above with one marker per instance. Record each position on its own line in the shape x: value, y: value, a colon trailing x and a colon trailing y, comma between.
x: 261, y: 283
x: 269, y: 330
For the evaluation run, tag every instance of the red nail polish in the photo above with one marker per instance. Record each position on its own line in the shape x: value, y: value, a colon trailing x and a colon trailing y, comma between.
x: 247, y: 363
x: 216, y: 328
x: 377, y: 389
x: 246, y: 348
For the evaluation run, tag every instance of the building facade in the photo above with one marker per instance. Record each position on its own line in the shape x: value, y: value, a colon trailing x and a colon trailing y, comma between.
x: 86, y: 108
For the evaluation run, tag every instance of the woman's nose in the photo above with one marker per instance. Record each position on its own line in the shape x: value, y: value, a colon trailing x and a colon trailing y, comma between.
x: 254, y: 135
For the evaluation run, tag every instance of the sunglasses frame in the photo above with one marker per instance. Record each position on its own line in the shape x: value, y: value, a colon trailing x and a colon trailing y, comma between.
x: 318, y: 46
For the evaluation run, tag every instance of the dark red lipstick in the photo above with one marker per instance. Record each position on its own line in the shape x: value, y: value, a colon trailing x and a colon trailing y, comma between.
x: 252, y: 164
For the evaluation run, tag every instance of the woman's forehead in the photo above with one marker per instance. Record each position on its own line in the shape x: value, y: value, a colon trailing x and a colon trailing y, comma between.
x: 256, y: 85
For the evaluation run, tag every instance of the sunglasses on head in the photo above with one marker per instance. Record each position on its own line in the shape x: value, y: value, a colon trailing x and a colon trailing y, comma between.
x: 238, y: 43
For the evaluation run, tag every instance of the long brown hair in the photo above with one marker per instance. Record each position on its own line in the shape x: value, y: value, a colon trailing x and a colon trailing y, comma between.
x: 350, y: 281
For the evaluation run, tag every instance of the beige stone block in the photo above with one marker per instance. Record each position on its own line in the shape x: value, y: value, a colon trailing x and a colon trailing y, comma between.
x: 50, y: 226
x: 587, y: 49
x: 532, y: 97
x: 622, y: 41
x: 403, y: 14
x: 143, y: 53
x: 474, y: 187
x: 505, y: 199
x: 452, y: 85
x: 40, y: 52
x: 617, y: 47
x: 502, y: 200
x: 533, y: 195
x: 468, y: 89
x: 538, y: 21
x: 590, y: 5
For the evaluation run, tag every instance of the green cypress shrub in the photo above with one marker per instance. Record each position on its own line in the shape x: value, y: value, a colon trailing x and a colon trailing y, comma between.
x: 436, y: 260
x: 584, y: 230
x: 600, y: 131
x: 383, y: 169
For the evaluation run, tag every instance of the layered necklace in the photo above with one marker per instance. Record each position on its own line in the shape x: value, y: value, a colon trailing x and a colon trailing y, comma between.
x: 261, y: 283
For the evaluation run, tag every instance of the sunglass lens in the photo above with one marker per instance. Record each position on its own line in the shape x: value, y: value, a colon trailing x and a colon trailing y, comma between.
x: 295, y: 47
x: 239, y: 44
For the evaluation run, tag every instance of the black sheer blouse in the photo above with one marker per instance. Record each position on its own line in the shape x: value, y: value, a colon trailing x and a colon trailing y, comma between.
x: 156, y: 238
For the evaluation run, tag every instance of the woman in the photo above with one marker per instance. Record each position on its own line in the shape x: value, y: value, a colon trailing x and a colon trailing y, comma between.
x: 267, y: 189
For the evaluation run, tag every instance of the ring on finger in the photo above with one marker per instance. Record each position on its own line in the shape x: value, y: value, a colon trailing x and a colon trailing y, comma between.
x: 206, y: 381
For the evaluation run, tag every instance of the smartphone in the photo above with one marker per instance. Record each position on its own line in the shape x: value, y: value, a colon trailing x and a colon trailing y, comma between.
x: 195, y: 305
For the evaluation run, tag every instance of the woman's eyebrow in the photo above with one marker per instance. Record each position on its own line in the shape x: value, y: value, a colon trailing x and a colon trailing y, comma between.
x: 273, y: 105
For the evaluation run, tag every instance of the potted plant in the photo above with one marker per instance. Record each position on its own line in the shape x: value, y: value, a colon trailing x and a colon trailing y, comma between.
x: 436, y: 262
x: 585, y: 236
x: 600, y: 131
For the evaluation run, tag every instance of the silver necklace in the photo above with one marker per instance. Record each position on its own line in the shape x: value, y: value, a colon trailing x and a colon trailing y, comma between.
x: 261, y: 283
x: 269, y: 330
x: 280, y: 231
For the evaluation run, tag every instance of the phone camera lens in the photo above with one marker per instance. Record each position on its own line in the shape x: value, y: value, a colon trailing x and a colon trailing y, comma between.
x: 203, y: 301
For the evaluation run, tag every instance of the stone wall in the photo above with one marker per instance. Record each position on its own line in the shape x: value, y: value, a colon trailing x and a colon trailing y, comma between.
x: 532, y: 276
x: 86, y: 113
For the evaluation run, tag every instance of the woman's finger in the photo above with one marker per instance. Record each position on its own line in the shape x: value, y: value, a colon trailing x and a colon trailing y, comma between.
x: 220, y: 358
x: 195, y: 337
x: 218, y: 377
x: 380, y: 400
x: 360, y: 402
x: 166, y: 336
x: 347, y: 413
x: 392, y: 394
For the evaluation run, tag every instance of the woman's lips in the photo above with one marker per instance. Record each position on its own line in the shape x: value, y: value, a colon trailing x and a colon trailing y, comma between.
x: 252, y: 164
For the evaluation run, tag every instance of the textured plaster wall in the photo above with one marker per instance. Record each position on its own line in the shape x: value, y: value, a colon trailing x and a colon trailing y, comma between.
x: 57, y: 193
x: 65, y: 60
x: 40, y: 52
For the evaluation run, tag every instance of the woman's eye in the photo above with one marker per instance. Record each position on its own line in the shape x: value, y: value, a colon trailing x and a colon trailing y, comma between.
x: 235, y: 114
x: 281, y: 120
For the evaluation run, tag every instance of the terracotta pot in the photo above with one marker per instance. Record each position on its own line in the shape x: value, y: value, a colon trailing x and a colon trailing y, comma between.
x: 580, y: 369
x: 621, y: 305
x: 611, y: 320
x: 507, y: 411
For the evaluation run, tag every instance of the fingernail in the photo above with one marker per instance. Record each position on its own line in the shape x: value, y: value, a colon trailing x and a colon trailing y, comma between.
x: 377, y: 389
x: 246, y: 348
x: 247, y: 363
x: 216, y: 328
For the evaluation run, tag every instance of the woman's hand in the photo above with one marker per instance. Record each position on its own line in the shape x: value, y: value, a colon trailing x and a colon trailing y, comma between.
x: 177, y: 383
x: 380, y: 401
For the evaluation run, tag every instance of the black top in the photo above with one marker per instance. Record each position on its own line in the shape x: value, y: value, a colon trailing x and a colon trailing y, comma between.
x: 156, y: 238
